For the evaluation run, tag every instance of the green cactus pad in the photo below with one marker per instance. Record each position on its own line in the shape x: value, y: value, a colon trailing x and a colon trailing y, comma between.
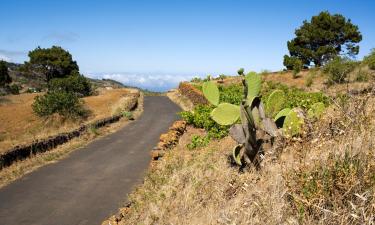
x: 282, y: 113
x: 237, y: 155
x: 275, y: 103
x: 211, y: 92
x: 293, y: 124
x: 254, y: 83
x: 226, y: 114
x: 316, y: 110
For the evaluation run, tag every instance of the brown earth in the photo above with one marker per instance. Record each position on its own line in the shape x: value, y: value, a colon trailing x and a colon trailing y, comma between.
x: 19, y: 125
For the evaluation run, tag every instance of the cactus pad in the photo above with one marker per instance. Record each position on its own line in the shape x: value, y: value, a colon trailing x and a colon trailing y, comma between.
x: 316, y: 110
x: 293, y: 124
x: 282, y: 113
x: 226, y: 114
x: 254, y: 83
x: 237, y: 154
x: 275, y: 103
x: 211, y: 92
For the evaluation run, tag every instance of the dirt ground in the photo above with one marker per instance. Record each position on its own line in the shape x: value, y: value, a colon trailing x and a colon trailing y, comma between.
x: 19, y: 125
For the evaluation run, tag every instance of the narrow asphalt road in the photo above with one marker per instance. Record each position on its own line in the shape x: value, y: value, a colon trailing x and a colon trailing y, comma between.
x: 90, y: 184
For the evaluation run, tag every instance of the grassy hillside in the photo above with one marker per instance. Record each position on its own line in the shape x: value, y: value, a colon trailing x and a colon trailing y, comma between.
x: 324, y: 176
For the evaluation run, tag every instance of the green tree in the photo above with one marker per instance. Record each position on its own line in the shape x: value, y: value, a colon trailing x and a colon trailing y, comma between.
x: 54, y: 62
x: 75, y: 83
x: 4, y: 75
x: 323, y: 38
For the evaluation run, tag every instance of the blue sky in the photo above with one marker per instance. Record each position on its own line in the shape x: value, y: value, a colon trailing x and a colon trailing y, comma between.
x: 155, y: 44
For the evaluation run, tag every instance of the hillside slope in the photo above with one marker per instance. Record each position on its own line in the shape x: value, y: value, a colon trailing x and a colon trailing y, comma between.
x: 325, y: 178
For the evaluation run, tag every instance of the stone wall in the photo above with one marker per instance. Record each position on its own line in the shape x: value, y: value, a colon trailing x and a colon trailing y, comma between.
x: 192, y: 93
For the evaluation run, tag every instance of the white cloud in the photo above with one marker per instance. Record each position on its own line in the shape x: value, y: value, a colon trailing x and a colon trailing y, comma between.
x: 5, y: 58
x: 154, y: 82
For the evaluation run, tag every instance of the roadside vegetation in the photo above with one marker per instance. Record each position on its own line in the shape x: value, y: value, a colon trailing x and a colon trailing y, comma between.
x: 290, y: 147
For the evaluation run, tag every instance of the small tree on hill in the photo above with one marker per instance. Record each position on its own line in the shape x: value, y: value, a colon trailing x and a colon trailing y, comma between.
x: 4, y: 75
x: 323, y: 38
x: 54, y: 62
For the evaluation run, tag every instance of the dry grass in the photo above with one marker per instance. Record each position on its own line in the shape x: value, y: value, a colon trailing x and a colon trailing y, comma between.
x: 180, y: 100
x: 19, y: 125
x: 200, y: 187
x: 19, y: 169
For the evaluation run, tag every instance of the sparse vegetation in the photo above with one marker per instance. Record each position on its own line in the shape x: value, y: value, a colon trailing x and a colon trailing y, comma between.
x: 338, y: 69
x: 370, y: 60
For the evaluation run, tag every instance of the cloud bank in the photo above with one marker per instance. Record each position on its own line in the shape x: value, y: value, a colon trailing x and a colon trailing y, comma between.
x: 152, y: 82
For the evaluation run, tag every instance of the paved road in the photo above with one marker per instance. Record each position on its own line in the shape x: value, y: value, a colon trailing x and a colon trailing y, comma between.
x: 90, y: 184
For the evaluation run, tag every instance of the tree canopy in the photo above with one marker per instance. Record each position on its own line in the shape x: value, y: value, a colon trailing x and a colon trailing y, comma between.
x: 4, y: 75
x: 323, y: 38
x: 54, y: 62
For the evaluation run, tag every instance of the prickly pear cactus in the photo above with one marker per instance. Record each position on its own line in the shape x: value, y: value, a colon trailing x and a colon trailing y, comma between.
x: 211, y: 92
x: 226, y: 114
x: 316, y: 110
x: 254, y: 83
x: 293, y: 123
x: 255, y: 127
x: 275, y: 103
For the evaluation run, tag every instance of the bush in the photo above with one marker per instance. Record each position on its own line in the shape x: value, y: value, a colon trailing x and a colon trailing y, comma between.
x: 200, y: 118
x: 294, y: 97
x: 370, y: 60
x: 310, y: 79
x: 198, y: 142
x: 66, y: 104
x: 196, y: 80
x: 75, y: 83
x: 297, y: 67
x: 338, y: 69
x: 292, y: 63
x: 362, y: 76
x: 14, y: 89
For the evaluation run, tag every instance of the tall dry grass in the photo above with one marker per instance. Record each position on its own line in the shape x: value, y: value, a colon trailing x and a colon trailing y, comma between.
x: 325, y: 178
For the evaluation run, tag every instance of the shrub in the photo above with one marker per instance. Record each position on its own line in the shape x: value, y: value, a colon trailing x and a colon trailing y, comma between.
x: 196, y: 80
x: 294, y: 97
x: 338, y: 69
x: 198, y: 142
x: 370, y: 60
x: 297, y: 67
x: 14, y: 89
x: 362, y: 76
x: 200, y: 118
x: 310, y: 79
x: 66, y: 104
x: 4, y: 75
x: 75, y: 83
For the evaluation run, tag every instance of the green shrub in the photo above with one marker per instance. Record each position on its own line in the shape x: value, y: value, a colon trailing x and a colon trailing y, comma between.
x: 65, y: 104
x: 127, y: 114
x: 14, y: 89
x: 370, y: 60
x: 196, y: 80
x: 294, y: 97
x: 200, y: 118
x: 198, y: 142
x: 74, y: 83
x: 231, y: 94
x: 309, y: 79
x: 297, y: 67
x: 338, y: 69
x: 362, y: 76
